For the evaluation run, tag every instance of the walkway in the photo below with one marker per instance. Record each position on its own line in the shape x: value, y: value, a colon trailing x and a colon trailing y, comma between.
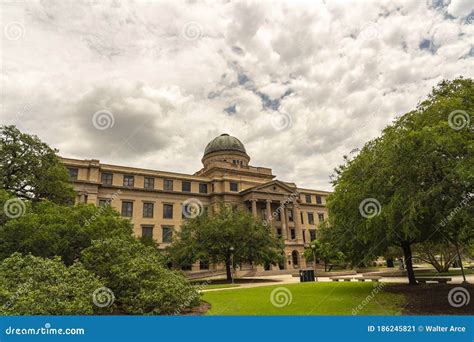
x: 289, y: 279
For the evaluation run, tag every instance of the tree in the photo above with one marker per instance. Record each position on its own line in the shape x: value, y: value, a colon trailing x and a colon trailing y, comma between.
x: 324, y: 248
x: 402, y: 185
x: 438, y: 254
x: 47, y: 229
x: 137, y: 276
x: 30, y: 169
x: 32, y: 285
x: 223, y: 235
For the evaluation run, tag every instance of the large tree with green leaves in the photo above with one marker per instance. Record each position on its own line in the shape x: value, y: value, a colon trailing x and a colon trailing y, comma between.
x: 30, y: 169
x: 47, y: 229
x: 401, y: 187
x: 225, y: 235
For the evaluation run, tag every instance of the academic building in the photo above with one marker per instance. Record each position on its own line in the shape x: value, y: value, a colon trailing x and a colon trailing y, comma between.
x: 156, y: 201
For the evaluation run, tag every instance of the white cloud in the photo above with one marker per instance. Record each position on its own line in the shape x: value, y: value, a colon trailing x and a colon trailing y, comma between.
x: 177, y: 74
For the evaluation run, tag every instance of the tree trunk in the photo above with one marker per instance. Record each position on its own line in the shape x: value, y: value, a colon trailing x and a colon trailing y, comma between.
x: 460, y: 263
x: 408, y: 262
x: 228, y: 269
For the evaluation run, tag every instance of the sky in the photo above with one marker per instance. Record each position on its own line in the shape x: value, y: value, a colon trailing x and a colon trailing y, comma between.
x: 149, y: 83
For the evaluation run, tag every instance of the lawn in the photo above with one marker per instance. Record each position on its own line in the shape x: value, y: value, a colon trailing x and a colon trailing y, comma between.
x: 306, y: 299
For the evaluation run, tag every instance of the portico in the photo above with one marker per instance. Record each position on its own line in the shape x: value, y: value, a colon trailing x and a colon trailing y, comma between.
x: 278, y: 204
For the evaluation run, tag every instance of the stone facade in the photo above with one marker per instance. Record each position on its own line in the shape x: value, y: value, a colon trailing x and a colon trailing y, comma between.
x: 154, y: 200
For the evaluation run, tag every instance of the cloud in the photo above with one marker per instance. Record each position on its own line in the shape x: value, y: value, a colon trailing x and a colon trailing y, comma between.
x: 299, y: 83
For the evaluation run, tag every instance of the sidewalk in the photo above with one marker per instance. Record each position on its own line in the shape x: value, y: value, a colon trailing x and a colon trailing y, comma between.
x: 289, y: 279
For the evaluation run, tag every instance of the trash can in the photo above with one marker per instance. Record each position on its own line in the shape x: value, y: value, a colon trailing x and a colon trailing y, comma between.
x: 306, y: 275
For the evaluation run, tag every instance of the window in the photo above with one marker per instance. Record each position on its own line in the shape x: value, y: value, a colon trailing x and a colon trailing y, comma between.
x: 290, y: 215
x: 308, y: 198
x: 312, y: 234
x: 168, y: 184
x: 127, y: 209
x: 73, y: 173
x: 234, y: 186
x: 167, y: 211
x: 318, y: 199
x: 320, y: 217
x: 292, y: 234
x: 104, y: 202
x: 301, y: 214
x: 279, y: 232
x: 304, y: 235
x: 202, y: 188
x: 147, y: 231
x: 106, y: 178
x: 203, y: 264
x: 128, y: 180
x: 186, y: 186
x: 186, y: 267
x: 310, y: 218
x: 149, y: 183
x: 167, y: 234
x: 148, y: 210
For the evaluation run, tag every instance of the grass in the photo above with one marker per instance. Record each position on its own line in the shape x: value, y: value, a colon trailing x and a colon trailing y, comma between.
x: 306, y: 299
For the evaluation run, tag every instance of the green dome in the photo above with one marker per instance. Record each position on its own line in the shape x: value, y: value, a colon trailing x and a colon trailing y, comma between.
x: 224, y: 142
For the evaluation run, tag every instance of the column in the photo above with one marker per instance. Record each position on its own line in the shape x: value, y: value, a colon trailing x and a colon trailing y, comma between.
x: 283, y: 220
x: 269, y: 211
x: 297, y: 219
x: 254, y: 207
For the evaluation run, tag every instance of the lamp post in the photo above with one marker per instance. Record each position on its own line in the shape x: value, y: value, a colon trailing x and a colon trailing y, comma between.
x: 232, y: 263
x: 313, y: 248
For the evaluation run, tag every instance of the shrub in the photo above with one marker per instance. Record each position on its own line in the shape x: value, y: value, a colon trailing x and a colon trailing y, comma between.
x: 32, y: 285
x: 138, y: 278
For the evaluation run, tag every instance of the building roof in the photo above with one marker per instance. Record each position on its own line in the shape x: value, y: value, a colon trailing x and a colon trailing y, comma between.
x: 224, y: 142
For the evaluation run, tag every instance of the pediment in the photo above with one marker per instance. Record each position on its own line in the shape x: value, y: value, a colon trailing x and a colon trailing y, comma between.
x: 273, y: 187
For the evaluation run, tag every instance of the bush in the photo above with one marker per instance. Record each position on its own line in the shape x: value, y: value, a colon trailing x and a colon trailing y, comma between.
x: 138, y: 278
x: 32, y: 285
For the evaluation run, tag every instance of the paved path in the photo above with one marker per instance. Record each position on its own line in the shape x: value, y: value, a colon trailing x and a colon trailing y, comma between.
x: 289, y: 279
